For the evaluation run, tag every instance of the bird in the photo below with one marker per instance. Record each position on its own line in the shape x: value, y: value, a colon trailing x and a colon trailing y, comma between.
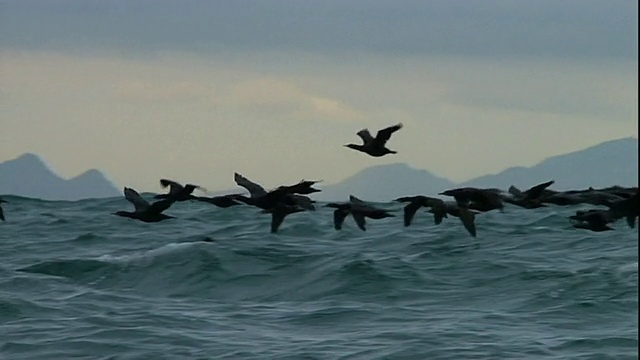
x: 1, y: 211
x: 627, y: 208
x: 263, y: 199
x: 223, y: 201
x: 279, y: 202
x: 359, y: 210
x: 143, y: 210
x: 254, y: 189
x: 466, y: 216
x: 439, y: 209
x: 476, y: 199
x: 533, y: 193
x: 594, y: 220
x: 416, y: 202
x: 177, y: 192
x: 279, y: 212
x: 375, y: 146
x: 304, y: 187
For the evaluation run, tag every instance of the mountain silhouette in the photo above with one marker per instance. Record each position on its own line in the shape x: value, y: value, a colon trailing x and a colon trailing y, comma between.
x: 385, y: 182
x: 612, y: 162
x: 609, y: 163
x: 29, y: 176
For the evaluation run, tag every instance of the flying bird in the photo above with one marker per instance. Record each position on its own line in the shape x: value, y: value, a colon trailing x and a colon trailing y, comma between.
x: 144, y: 211
x: 359, y: 210
x: 375, y: 146
x: 177, y: 192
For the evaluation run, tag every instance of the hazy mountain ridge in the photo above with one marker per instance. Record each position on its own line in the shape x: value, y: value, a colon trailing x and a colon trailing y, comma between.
x: 29, y: 176
x: 609, y: 163
x: 383, y: 182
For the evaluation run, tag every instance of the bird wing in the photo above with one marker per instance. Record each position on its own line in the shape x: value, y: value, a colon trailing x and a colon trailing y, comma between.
x: 365, y: 135
x: 159, y: 206
x: 359, y: 219
x: 1, y: 214
x: 468, y: 220
x: 410, y: 211
x: 536, y: 191
x: 254, y: 189
x: 138, y: 202
x: 515, y: 192
x: 385, y: 134
x: 355, y: 200
x: 277, y: 217
x: 303, y: 201
x: 338, y: 218
x: 190, y: 187
x: 174, y: 187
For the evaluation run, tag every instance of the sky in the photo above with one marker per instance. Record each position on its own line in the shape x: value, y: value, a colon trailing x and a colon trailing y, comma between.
x: 197, y: 90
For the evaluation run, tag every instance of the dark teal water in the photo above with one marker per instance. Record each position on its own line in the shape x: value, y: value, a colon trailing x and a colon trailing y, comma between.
x: 79, y: 283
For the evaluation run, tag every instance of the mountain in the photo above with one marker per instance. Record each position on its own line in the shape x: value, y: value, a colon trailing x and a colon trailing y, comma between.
x: 609, y: 163
x: 28, y: 175
x: 384, y: 182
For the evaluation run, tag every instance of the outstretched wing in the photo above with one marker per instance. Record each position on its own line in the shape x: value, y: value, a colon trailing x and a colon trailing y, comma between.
x: 303, y: 201
x: 516, y: 192
x: 365, y: 135
x: 410, y: 211
x: 468, y: 220
x: 360, y: 221
x: 338, y: 218
x: 277, y: 217
x: 174, y: 187
x: 355, y: 200
x: 385, y: 134
x: 138, y: 202
x: 160, y: 206
x: 1, y: 214
x: 254, y: 189
x: 536, y: 191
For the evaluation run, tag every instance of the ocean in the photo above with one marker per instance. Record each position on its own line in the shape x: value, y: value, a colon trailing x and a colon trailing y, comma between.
x: 79, y: 283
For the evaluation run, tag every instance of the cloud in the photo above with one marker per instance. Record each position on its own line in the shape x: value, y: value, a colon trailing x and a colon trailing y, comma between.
x: 172, y: 91
x: 287, y: 100
x: 490, y: 28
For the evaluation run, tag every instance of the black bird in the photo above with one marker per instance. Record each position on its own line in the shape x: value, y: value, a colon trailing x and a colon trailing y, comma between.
x: 467, y: 216
x: 255, y: 190
x: 259, y: 197
x: 279, y: 212
x: 476, y: 199
x: 2, y: 212
x: 304, y: 187
x: 594, y: 220
x: 177, y: 192
x: 439, y: 209
x: 143, y: 210
x: 279, y: 202
x: 223, y: 201
x: 375, y: 146
x: 628, y: 208
x: 533, y: 193
x: 359, y: 210
x: 416, y: 202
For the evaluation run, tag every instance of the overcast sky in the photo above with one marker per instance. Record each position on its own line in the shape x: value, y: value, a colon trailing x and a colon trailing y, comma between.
x: 195, y: 90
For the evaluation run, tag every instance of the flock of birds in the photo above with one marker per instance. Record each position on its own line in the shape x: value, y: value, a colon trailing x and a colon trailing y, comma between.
x: 620, y: 202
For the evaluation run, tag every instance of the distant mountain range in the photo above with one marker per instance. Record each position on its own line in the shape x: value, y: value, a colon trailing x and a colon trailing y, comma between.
x: 384, y: 182
x: 609, y: 163
x: 27, y: 175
